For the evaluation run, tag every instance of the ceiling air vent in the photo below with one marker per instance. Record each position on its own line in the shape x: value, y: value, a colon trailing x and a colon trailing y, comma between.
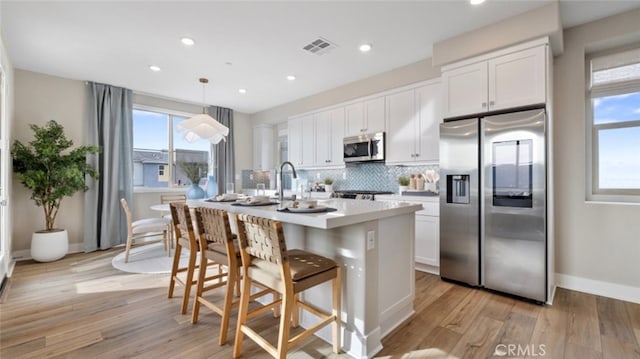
x: 320, y: 46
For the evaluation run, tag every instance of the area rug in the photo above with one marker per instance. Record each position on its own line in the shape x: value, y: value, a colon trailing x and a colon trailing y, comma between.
x: 149, y: 258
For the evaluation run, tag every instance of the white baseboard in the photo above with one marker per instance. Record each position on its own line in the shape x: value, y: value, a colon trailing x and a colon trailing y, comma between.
x: 605, y: 289
x: 25, y: 254
x: 427, y: 268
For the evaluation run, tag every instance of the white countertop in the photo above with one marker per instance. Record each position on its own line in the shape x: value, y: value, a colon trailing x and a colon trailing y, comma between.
x: 397, y: 197
x: 348, y: 211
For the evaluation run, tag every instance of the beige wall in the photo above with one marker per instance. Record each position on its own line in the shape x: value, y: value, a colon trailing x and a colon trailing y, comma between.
x: 415, y: 72
x: 7, y: 67
x: 543, y: 21
x: 38, y: 99
x: 594, y: 241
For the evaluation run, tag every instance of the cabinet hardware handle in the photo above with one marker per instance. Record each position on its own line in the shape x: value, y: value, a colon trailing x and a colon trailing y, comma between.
x: 417, y: 155
x: 491, y: 103
x: 484, y: 104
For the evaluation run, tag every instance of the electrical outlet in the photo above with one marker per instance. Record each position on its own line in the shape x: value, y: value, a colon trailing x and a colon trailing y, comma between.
x: 371, y: 240
x: 251, y: 177
x: 344, y: 175
x: 318, y: 175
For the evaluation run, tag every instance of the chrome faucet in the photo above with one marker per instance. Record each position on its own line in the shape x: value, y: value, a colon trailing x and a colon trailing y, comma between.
x: 281, y: 194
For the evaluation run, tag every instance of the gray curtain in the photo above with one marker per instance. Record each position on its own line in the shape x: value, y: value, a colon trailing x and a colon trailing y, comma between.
x: 225, y: 155
x: 110, y: 126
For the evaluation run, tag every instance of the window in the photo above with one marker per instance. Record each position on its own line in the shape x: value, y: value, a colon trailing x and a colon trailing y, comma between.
x: 161, y: 155
x: 614, y: 117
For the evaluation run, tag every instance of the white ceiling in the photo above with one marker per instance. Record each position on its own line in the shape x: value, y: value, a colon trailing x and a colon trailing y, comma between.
x: 242, y: 44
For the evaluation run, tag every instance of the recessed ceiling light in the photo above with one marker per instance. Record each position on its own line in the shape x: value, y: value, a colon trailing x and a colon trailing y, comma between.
x: 365, y: 47
x: 476, y: 2
x: 154, y: 68
x: 243, y: 91
x: 291, y: 77
x: 187, y: 41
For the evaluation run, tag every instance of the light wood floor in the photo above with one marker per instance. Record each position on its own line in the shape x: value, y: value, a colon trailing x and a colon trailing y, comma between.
x: 80, y: 307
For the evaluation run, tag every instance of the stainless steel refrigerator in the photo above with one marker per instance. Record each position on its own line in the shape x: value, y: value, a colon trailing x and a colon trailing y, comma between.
x: 493, y: 229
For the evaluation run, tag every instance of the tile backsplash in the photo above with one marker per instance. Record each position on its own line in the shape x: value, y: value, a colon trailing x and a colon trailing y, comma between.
x: 361, y: 176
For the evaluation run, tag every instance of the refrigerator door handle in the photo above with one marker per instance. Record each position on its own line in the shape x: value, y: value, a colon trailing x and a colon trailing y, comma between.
x: 481, y: 200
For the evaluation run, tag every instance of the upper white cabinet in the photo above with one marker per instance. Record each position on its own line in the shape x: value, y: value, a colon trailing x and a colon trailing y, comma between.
x: 329, y: 134
x: 294, y: 138
x: 365, y: 117
x: 302, y: 150
x: 413, y: 118
x: 509, y: 79
x: 263, y: 147
x: 429, y: 101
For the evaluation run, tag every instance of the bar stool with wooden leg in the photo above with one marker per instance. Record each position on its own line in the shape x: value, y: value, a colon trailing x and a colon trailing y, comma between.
x: 217, y: 245
x: 185, y: 239
x: 266, y: 260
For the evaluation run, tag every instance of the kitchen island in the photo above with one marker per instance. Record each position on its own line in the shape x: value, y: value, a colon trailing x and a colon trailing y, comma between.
x: 374, y: 243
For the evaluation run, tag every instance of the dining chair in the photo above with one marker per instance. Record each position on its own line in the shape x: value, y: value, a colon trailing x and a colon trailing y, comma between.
x: 218, y: 245
x: 266, y: 260
x: 144, y: 228
x: 167, y: 199
x: 185, y: 240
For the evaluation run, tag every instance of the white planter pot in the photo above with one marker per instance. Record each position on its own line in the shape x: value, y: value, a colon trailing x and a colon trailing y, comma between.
x: 328, y: 188
x: 402, y: 189
x: 49, y: 246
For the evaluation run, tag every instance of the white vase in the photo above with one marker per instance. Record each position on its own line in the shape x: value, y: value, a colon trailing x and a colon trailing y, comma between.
x: 49, y: 246
x: 328, y: 188
x: 402, y: 189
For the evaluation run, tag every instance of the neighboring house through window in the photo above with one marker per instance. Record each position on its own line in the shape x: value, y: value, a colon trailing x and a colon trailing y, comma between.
x: 614, y: 126
x: 159, y: 150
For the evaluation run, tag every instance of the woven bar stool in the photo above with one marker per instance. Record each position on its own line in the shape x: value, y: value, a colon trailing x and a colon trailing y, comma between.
x: 266, y: 260
x: 185, y: 239
x: 217, y: 245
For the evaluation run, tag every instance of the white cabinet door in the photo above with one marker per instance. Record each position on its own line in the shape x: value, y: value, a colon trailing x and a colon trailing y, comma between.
x: 354, y: 119
x: 323, y: 137
x: 337, y: 136
x: 329, y: 137
x: 429, y: 117
x: 374, y: 119
x: 263, y: 147
x: 517, y: 79
x: 401, y: 122
x: 465, y: 90
x: 428, y: 240
x: 295, y: 141
x: 365, y: 117
x: 308, y: 145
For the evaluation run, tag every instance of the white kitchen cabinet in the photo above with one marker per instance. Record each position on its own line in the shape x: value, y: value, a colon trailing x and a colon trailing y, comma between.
x: 465, y: 90
x: 507, y: 80
x: 263, y: 147
x: 413, y: 119
x: 427, y: 239
x: 429, y: 117
x: 363, y: 117
x: 401, y: 122
x: 302, y: 145
x: 427, y: 231
x: 329, y: 135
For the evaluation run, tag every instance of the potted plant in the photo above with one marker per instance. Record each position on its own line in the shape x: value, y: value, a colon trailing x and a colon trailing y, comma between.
x: 404, y: 184
x: 328, y: 184
x: 51, y: 170
x: 194, y: 171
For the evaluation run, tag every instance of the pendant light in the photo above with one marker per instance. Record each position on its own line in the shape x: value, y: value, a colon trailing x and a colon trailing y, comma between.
x: 203, y: 126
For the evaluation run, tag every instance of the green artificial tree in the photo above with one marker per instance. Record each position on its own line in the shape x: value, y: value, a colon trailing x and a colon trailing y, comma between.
x: 51, y: 169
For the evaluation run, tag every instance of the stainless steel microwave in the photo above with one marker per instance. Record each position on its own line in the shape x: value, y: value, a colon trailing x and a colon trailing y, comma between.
x: 362, y: 148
